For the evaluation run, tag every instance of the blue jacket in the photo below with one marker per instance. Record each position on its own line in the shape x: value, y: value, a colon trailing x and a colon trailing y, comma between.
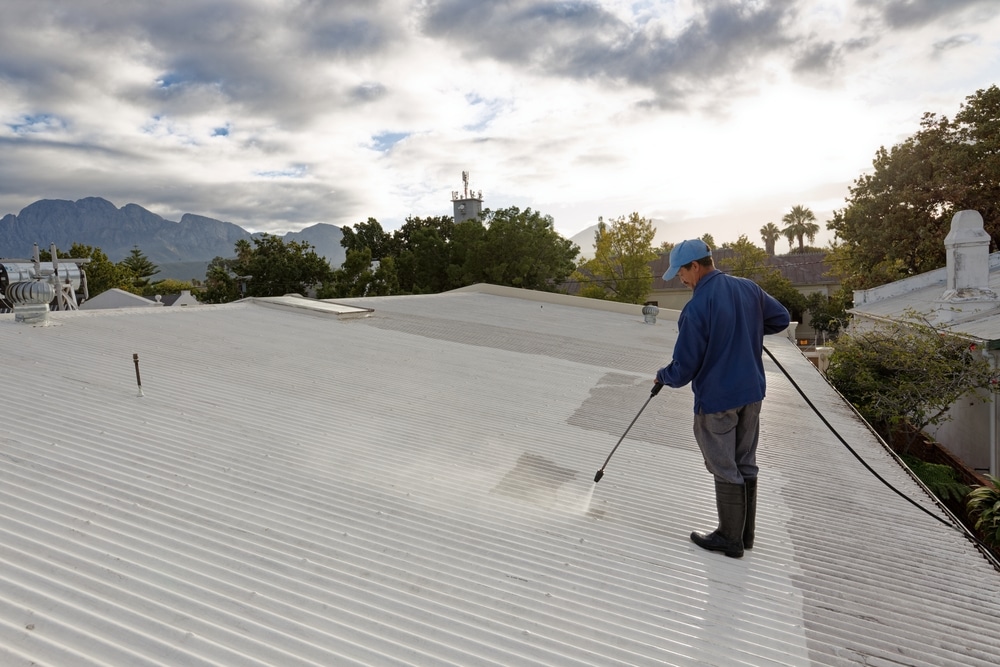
x: 720, y: 340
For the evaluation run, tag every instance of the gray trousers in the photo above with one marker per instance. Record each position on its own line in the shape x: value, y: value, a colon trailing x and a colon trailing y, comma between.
x: 728, y: 442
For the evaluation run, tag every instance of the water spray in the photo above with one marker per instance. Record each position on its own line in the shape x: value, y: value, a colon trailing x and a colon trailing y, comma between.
x: 657, y: 386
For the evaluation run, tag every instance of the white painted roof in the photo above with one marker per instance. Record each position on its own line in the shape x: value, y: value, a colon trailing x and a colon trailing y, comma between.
x: 118, y: 298
x: 923, y: 293
x: 415, y: 488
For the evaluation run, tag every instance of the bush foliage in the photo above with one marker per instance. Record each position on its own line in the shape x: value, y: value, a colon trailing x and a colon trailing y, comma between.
x: 983, y: 505
x: 907, y: 372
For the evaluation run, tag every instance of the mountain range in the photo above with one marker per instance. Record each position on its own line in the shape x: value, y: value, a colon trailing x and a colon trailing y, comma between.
x: 181, y: 249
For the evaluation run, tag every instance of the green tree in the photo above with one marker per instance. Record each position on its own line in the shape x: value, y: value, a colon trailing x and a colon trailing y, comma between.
x: 422, y: 253
x: 969, y: 173
x: 385, y: 280
x: 103, y: 274
x: 897, y: 216
x: 270, y: 267
x: 402, y: 238
x: 709, y: 241
x: 907, y: 373
x: 747, y: 260
x: 429, y: 255
x: 752, y: 262
x: 140, y: 266
x: 782, y: 289
x: 353, y: 278
x: 800, y: 223
x: 770, y: 234
x: 221, y: 284
x: 470, y: 253
x: 523, y: 250
x: 360, y: 276
x: 620, y: 267
x: 168, y: 286
x: 828, y: 314
x: 369, y: 235
x: 275, y: 267
x: 424, y: 264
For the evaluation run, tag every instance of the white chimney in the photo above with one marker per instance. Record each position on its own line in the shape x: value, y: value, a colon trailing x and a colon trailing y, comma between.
x: 967, y: 248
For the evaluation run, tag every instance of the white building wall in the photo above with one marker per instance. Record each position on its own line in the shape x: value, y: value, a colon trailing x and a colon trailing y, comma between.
x: 967, y: 433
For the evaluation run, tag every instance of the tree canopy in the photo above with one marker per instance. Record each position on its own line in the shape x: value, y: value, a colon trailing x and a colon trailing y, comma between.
x: 800, y: 223
x: 620, y: 268
x: 897, y: 216
x: 167, y: 286
x: 368, y: 234
x: 769, y: 234
x: 752, y: 262
x: 429, y: 255
x: 520, y: 249
x: 907, y: 372
x: 270, y: 267
x: 747, y: 260
x: 141, y: 266
x: 828, y: 314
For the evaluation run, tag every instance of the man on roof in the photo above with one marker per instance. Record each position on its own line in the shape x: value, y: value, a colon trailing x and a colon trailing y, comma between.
x: 718, y: 350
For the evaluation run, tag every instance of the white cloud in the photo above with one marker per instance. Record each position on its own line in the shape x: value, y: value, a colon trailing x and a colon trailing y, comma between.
x: 277, y: 115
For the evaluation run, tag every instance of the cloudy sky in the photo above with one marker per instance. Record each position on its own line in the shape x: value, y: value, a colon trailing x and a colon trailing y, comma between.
x: 709, y: 116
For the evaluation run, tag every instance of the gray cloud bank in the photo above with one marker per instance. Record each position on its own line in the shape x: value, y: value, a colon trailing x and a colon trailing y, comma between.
x: 275, y: 115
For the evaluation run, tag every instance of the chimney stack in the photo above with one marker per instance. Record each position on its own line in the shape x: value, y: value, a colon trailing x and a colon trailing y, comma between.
x: 967, y: 248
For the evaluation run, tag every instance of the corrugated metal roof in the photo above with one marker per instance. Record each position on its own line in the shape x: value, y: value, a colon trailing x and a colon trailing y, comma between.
x: 415, y: 488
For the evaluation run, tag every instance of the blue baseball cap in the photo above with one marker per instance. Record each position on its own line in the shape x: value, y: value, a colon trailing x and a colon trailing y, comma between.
x: 686, y: 252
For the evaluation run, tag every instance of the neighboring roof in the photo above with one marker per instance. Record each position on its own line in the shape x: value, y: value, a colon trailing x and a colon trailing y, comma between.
x: 118, y: 298
x: 924, y: 294
x: 415, y: 487
x: 801, y: 269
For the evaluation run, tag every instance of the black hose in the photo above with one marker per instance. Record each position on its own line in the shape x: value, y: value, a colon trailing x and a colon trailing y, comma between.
x: 955, y: 523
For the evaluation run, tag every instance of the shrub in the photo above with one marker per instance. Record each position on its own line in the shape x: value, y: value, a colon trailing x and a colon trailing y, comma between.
x: 983, y: 505
x: 940, y: 479
x: 899, y: 373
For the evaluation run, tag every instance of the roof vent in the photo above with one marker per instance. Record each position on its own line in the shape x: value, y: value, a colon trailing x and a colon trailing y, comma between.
x: 649, y: 312
x: 31, y: 301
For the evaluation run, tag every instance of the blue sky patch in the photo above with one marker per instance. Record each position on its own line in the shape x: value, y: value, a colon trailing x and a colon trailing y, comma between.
x: 170, y: 79
x: 487, y: 109
x: 37, y: 124
x: 384, y: 141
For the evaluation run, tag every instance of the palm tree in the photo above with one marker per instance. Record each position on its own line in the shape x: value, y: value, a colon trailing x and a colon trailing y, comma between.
x: 799, y: 223
x: 770, y: 233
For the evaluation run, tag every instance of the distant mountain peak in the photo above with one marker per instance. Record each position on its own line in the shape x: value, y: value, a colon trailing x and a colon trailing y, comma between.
x: 97, y: 222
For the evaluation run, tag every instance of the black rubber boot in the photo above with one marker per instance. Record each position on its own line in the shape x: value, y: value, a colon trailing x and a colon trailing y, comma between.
x: 731, y: 500
x: 750, y: 525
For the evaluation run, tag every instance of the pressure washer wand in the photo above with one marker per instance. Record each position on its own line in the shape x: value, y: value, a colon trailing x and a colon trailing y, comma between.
x: 657, y: 386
